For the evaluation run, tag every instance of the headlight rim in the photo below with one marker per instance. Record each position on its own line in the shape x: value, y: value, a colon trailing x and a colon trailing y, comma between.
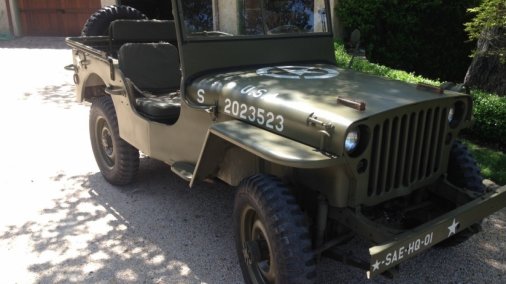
x: 362, y: 141
x: 351, y: 150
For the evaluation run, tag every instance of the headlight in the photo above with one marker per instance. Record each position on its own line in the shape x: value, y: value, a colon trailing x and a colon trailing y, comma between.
x: 451, y: 115
x: 352, y: 140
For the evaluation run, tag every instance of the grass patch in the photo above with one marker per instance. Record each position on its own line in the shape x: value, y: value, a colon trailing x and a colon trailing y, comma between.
x: 489, y: 111
x: 491, y: 162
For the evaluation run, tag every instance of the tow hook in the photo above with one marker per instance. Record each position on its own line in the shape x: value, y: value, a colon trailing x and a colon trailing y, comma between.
x: 70, y: 67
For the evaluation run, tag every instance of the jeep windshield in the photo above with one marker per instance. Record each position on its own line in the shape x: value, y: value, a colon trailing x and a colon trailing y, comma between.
x: 220, y: 19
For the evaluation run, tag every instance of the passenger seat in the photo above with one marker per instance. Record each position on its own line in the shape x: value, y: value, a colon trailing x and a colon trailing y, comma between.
x: 153, y: 72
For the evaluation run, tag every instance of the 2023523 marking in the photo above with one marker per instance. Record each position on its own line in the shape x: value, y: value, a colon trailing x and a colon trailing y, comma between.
x: 255, y: 115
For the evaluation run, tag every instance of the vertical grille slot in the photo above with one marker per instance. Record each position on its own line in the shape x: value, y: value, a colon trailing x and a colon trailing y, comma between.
x: 384, y: 154
x: 429, y: 120
x: 434, y: 141
x: 411, y: 148
x: 441, y: 136
x: 406, y: 149
x: 418, y: 146
x: 393, y: 152
x: 403, y: 140
x: 373, y: 172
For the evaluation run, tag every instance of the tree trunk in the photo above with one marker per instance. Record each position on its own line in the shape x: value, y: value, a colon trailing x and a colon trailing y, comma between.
x: 487, y: 72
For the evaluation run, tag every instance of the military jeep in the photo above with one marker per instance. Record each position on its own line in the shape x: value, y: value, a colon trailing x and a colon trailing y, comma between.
x: 248, y: 92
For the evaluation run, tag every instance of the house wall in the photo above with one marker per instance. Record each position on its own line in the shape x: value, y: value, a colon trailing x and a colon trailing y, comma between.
x: 337, y: 27
x: 228, y: 18
x: 107, y: 2
x: 4, y: 19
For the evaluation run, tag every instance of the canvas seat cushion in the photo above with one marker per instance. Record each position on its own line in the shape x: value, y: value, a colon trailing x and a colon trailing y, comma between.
x: 163, y: 108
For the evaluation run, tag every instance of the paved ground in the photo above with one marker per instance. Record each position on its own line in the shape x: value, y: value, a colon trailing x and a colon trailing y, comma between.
x: 60, y: 222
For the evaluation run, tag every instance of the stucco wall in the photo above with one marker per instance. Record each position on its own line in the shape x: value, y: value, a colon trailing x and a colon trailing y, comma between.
x: 107, y: 2
x: 227, y: 16
x: 4, y: 20
x: 336, y: 25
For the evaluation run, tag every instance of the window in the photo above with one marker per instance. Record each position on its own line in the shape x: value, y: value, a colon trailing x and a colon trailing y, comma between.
x: 220, y: 18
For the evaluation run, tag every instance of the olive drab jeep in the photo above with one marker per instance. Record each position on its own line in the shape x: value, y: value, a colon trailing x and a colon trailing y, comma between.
x: 248, y: 92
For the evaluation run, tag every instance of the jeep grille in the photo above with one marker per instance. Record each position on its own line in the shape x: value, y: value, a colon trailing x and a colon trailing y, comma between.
x: 406, y: 149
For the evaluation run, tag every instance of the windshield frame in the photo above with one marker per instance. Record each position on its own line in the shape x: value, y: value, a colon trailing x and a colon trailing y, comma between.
x: 186, y: 37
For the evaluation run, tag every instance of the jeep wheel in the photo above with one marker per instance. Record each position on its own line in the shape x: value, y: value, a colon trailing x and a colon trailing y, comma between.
x: 118, y: 161
x: 98, y: 23
x: 272, y: 240
x: 463, y: 172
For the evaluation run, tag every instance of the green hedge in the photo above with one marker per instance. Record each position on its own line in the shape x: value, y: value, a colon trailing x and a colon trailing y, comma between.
x: 422, y: 36
x: 489, y: 109
x: 490, y: 118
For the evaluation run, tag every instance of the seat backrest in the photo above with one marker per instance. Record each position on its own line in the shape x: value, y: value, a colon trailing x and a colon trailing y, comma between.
x: 142, y: 31
x: 152, y: 67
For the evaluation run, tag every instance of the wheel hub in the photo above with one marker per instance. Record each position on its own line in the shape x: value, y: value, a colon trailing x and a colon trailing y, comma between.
x: 107, y: 142
x: 251, y: 251
x: 256, y: 249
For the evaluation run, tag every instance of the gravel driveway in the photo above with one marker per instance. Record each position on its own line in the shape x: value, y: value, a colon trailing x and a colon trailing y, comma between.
x: 62, y: 223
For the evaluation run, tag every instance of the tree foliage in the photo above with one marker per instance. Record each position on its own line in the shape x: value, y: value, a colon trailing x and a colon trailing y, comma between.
x: 489, y: 25
x: 488, y: 70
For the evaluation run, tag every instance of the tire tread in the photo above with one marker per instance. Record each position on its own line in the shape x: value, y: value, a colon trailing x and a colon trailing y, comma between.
x: 127, y: 156
x: 280, y: 212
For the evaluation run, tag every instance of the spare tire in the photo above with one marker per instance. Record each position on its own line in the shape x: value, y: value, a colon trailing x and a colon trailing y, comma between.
x: 98, y: 23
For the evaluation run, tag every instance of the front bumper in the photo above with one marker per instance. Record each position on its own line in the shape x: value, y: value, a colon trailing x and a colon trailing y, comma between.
x: 409, y: 244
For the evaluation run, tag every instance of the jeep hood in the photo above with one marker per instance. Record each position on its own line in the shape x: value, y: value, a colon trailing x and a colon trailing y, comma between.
x: 297, y: 93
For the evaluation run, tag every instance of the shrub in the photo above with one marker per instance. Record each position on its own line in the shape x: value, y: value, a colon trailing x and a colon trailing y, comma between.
x: 490, y: 118
x: 422, y: 36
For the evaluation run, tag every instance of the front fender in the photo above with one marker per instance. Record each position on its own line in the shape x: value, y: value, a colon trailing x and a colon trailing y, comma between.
x: 259, y: 142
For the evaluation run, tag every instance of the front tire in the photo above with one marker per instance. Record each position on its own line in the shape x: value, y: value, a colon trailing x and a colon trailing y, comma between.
x: 272, y: 238
x: 463, y: 172
x: 118, y: 161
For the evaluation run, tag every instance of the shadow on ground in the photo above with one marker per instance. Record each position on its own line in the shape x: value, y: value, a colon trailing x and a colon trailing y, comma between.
x: 61, y: 95
x: 157, y: 230
x: 152, y: 231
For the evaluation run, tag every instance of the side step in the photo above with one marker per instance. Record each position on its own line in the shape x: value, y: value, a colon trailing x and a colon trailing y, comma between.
x: 183, y: 170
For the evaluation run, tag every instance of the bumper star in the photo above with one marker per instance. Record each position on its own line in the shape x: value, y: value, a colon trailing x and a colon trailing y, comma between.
x: 376, y: 266
x: 453, y: 228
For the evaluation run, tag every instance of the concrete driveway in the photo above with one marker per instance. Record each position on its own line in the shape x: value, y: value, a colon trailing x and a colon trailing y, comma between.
x: 60, y: 222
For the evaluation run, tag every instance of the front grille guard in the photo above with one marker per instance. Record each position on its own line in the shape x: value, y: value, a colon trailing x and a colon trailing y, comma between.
x: 407, y: 150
